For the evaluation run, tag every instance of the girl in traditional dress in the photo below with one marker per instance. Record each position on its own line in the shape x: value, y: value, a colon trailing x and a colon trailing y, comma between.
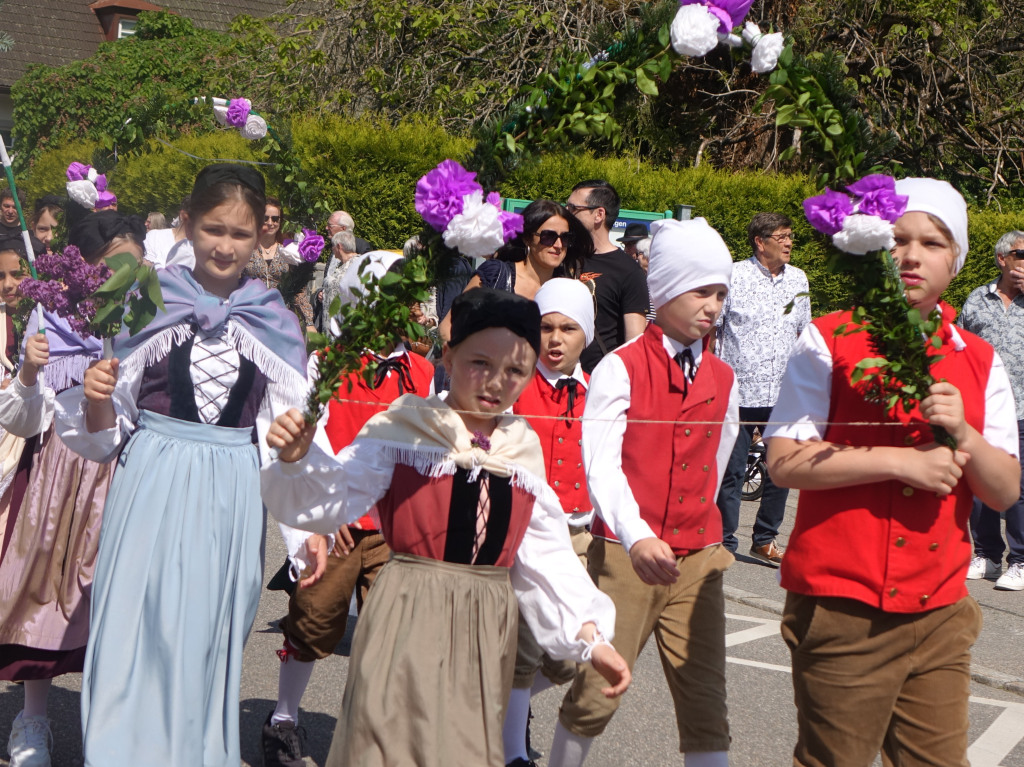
x: 56, y: 504
x: 460, y: 491
x: 179, y: 568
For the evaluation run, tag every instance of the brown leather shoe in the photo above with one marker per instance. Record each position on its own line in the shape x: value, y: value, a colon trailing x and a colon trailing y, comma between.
x: 770, y: 554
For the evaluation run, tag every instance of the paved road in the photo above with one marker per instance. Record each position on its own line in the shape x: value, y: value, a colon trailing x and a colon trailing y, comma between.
x: 762, y: 716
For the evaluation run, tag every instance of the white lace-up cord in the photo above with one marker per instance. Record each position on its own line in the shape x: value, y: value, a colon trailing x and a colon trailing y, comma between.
x: 214, y: 372
x: 599, y: 639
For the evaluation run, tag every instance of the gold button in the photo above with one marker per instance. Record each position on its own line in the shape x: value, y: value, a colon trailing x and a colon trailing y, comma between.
x: 575, y: 509
x: 579, y: 466
x: 901, y: 541
x: 684, y: 466
x: 709, y: 432
x: 686, y: 432
x: 675, y: 531
x: 556, y: 483
x: 700, y: 531
x: 709, y: 401
x: 893, y: 592
x: 924, y: 598
x: 908, y: 440
x: 706, y: 467
x: 908, y: 491
x: 577, y: 485
x: 579, y: 442
x: 680, y: 499
x: 933, y: 547
x: 559, y: 461
x: 560, y: 440
x: 703, y: 499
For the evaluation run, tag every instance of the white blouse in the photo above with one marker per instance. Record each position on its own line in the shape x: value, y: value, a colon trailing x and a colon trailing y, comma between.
x: 26, y: 411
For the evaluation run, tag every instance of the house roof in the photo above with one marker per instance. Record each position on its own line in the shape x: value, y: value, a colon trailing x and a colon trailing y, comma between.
x: 57, y: 32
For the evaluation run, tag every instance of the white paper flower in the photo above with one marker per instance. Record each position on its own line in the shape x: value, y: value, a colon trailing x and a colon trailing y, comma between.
x: 862, y: 234
x: 255, y: 128
x: 694, y: 31
x: 83, y: 192
x: 476, y: 231
x: 221, y: 114
x: 290, y: 254
x: 767, y: 48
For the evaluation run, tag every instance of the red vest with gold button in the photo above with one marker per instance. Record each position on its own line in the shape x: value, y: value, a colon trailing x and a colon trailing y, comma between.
x: 671, y: 464
x: 345, y: 419
x: 561, y: 442
x: 887, y: 544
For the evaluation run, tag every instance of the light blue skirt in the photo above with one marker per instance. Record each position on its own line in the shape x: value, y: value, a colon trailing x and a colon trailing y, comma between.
x: 177, y: 583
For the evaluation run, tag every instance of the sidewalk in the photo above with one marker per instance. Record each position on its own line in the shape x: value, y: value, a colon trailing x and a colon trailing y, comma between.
x: 998, y: 656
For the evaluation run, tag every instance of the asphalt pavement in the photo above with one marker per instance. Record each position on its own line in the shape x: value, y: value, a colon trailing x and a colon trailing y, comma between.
x: 643, y: 733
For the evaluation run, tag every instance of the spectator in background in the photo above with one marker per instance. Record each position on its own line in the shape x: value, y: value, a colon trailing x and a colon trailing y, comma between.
x: 44, y: 223
x: 343, y: 250
x: 341, y: 221
x: 633, y: 234
x: 755, y: 335
x: 156, y: 220
x: 617, y: 282
x: 996, y: 313
x: 643, y: 250
x: 166, y: 246
x: 10, y: 226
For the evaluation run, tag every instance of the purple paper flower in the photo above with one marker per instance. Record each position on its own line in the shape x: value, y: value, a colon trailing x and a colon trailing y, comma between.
x: 481, y: 441
x: 511, y: 225
x: 730, y: 13
x: 827, y: 211
x: 439, y: 193
x: 311, y: 246
x: 105, y: 200
x: 238, y: 112
x: 101, y: 182
x: 494, y: 199
x: 78, y: 172
x: 877, y: 196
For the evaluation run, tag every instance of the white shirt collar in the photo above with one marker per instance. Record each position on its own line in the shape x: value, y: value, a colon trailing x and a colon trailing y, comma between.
x: 552, y: 376
x: 674, y: 347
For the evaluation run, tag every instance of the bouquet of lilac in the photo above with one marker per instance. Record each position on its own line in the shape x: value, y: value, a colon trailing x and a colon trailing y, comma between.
x: 452, y: 202
x: 861, y: 225
x: 93, y: 297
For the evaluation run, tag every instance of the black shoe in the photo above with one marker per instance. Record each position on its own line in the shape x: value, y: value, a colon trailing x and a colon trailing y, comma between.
x: 520, y: 762
x: 281, y: 744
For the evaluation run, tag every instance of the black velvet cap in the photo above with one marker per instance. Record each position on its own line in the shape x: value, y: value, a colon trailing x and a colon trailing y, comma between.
x: 93, y: 232
x: 229, y: 173
x: 482, y: 308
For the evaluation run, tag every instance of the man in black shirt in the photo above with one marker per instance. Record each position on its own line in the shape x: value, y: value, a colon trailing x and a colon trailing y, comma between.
x: 10, y: 226
x: 618, y: 282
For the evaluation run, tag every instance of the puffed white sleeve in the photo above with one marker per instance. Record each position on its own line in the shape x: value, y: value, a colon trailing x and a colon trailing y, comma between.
x: 104, y: 445
x: 804, y: 397
x: 323, y: 491
x: 556, y: 595
x: 26, y: 411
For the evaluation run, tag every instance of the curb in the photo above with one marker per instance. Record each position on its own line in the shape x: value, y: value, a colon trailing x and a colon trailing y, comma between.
x: 980, y: 674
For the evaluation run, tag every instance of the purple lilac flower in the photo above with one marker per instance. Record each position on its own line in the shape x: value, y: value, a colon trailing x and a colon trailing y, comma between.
x: 827, y: 211
x: 730, y: 13
x: 311, y: 247
x: 439, y: 193
x: 877, y: 197
x: 77, y: 171
x: 238, y: 112
x: 481, y: 441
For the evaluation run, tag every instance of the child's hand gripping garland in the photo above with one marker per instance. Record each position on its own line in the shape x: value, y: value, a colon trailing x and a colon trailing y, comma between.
x: 862, y: 226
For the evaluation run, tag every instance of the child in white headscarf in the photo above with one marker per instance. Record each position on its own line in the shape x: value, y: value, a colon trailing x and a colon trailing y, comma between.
x: 877, y: 618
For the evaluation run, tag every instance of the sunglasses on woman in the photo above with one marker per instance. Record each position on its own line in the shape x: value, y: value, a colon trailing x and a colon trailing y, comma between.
x: 272, y: 219
x: 547, y: 238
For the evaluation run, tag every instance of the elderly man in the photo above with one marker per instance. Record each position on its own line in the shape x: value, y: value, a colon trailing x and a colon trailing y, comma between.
x: 619, y: 284
x: 340, y: 221
x: 755, y: 335
x: 996, y: 313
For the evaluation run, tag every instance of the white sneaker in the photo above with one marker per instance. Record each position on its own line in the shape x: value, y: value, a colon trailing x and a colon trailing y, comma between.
x: 1012, y: 579
x: 983, y: 567
x: 29, y: 744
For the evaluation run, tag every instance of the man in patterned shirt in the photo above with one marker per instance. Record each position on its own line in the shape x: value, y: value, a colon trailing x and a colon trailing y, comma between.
x: 996, y: 313
x: 755, y: 335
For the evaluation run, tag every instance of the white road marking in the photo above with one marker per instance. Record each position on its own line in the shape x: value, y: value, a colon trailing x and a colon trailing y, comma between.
x: 759, y: 664
x: 766, y: 628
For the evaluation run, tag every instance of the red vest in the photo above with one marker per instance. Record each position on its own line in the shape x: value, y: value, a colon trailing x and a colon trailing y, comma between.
x: 671, y: 466
x: 345, y: 419
x: 561, y: 443
x: 892, y: 546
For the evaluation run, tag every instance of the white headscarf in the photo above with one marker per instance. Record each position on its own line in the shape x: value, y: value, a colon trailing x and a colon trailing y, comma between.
x: 685, y: 255
x: 929, y: 195
x: 571, y: 298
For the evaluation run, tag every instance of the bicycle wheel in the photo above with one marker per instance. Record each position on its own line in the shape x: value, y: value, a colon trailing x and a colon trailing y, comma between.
x: 753, y: 479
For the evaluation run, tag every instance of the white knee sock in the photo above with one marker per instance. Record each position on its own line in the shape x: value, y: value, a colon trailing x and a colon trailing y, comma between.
x: 707, y: 759
x: 513, y: 734
x: 291, y: 684
x: 540, y: 684
x: 568, y: 750
x: 36, y: 692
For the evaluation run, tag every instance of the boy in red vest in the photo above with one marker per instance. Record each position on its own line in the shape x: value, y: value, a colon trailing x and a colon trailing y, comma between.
x: 318, y: 615
x: 877, y: 618
x: 659, y: 426
x: 552, y: 403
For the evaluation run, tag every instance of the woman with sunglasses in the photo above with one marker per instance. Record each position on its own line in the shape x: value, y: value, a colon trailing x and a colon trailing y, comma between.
x: 553, y: 244
x: 267, y: 264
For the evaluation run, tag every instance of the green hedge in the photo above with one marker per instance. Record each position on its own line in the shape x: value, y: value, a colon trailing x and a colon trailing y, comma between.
x: 370, y: 169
